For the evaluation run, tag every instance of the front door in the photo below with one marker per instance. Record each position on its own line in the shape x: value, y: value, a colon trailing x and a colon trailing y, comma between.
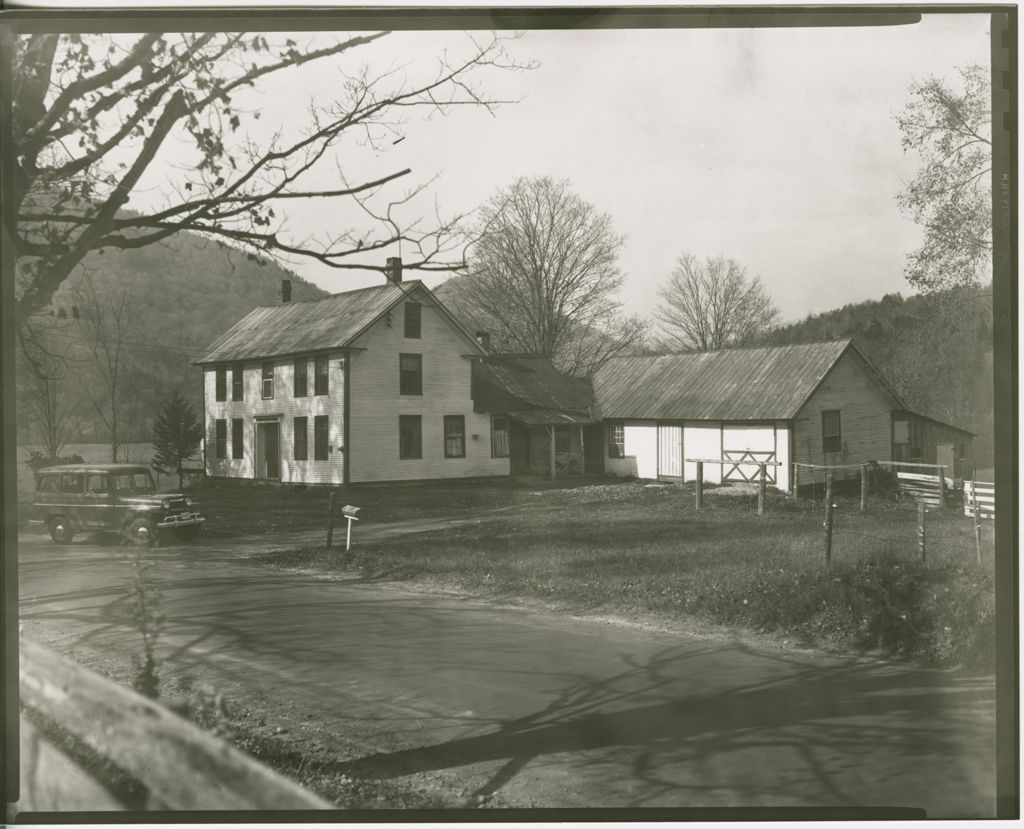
x: 268, y: 449
x: 670, y: 452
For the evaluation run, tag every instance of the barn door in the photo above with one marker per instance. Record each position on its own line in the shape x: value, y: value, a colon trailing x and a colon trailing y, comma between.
x: 670, y: 451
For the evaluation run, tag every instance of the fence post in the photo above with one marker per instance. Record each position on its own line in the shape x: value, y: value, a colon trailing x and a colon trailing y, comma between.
x: 977, y: 517
x: 796, y: 482
x: 700, y: 485
x: 762, y: 484
x: 828, y: 518
x: 942, y: 487
x: 330, y: 521
x: 863, y: 487
x: 920, y: 529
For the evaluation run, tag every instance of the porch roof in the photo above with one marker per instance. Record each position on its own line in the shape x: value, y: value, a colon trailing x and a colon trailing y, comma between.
x: 550, y: 417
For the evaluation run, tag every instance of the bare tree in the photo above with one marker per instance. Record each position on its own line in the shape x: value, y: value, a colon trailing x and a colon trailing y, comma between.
x: 711, y: 304
x: 951, y: 195
x: 107, y: 325
x: 93, y: 113
x: 543, y: 277
x: 48, y: 401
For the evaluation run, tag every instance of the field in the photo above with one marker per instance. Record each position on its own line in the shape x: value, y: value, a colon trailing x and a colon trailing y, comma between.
x: 646, y: 554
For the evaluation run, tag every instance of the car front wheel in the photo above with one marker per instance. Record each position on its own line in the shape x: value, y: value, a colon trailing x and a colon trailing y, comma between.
x: 60, y: 530
x: 141, y: 532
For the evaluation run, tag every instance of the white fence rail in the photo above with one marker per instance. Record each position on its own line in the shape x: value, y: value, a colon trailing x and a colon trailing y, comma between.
x: 985, y: 494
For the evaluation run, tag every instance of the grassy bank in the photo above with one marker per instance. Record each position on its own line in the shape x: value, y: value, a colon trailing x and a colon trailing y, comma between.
x: 647, y: 553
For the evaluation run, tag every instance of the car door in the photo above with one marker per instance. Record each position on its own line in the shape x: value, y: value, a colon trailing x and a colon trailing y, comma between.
x: 96, y: 507
x: 72, y: 497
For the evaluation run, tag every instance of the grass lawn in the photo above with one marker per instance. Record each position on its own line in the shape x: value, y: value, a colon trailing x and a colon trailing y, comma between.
x: 646, y: 553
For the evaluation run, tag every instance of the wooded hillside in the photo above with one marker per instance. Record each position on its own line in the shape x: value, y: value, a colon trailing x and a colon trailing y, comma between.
x: 165, y: 303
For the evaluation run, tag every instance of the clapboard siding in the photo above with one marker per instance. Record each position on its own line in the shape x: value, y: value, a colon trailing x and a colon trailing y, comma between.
x: 865, y: 420
x: 285, y: 405
x: 376, y: 404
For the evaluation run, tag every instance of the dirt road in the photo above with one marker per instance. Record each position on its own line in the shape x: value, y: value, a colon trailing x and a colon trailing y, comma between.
x: 532, y: 708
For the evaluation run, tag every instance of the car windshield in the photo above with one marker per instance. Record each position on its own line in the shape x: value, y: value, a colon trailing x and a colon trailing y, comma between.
x: 135, y: 482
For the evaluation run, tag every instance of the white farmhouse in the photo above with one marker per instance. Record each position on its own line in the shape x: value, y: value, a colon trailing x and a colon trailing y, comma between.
x: 367, y: 385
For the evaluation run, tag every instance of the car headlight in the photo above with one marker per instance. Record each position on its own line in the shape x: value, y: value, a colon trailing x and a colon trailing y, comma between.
x: 165, y: 504
x: 188, y: 501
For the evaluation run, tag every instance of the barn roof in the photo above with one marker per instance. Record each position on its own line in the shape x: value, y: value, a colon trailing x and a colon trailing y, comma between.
x: 769, y: 383
x: 317, y: 325
x: 527, y: 383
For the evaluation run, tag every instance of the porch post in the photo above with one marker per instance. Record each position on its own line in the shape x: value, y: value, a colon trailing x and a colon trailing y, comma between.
x: 551, y: 449
x: 583, y: 453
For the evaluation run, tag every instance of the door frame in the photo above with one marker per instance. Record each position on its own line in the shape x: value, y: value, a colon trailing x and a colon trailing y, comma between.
x: 682, y: 452
x: 259, y: 450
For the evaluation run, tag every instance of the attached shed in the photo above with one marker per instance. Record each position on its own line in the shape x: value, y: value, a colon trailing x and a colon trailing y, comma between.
x: 540, y: 417
x: 814, y: 403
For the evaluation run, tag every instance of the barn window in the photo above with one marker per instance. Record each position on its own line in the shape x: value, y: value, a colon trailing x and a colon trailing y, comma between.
x: 237, y: 425
x: 222, y: 383
x: 268, y: 381
x: 301, y: 384
x: 301, y: 430
x: 831, y: 436
x: 561, y: 438
x: 410, y: 436
x: 413, y: 317
x: 237, y: 385
x: 410, y: 374
x: 321, y: 379
x: 616, y: 440
x: 320, y: 438
x: 221, y: 439
x: 499, y: 437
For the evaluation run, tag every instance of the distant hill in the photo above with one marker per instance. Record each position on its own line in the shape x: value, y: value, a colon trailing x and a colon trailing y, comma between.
x: 181, y: 295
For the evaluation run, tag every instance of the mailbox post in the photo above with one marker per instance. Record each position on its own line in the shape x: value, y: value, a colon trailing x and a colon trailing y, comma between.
x: 350, y: 515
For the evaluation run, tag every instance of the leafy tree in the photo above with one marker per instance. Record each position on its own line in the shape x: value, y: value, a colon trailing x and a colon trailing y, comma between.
x: 176, y: 435
x: 543, y: 276
x: 93, y: 113
x: 711, y: 304
x: 951, y: 195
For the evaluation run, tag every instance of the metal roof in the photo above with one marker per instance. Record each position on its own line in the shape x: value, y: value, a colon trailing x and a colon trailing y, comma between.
x: 769, y: 383
x: 527, y: 382
x: 317, y: 325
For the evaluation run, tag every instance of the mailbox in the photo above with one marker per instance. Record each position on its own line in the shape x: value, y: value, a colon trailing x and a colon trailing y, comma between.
x: 349, y: 511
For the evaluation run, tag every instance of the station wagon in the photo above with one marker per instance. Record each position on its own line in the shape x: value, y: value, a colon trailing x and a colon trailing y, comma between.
x: 111, y: 498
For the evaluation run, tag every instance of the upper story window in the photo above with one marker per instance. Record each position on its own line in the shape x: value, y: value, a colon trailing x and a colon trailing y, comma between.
x: 413, y: 320
x: 410, y: 374
x: 268, y: 381
x: 222, y: 383
x: 322, y: 377
x: 301, y: 384
x: 237, y: 382
x: 616, y: 440
x: 831, y: 434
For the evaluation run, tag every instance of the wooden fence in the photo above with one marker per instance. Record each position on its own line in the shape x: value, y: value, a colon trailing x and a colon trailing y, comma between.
x: 77, y: 726
x: 931, y: 490
x: 985, y: 495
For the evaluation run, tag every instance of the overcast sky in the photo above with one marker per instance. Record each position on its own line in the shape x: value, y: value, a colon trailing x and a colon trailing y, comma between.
x: 776, y: 147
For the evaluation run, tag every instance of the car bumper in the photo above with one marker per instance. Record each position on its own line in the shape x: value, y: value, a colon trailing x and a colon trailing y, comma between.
x: 175, y: 522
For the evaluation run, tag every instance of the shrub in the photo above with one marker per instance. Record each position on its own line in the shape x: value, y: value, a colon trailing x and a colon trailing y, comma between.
x: 37, y: 460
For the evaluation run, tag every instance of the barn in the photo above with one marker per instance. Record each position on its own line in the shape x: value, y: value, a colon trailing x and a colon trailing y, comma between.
x: 813, y: 403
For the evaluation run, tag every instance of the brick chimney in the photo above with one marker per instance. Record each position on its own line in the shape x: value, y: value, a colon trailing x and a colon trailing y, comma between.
x: 286, y: 290
x: 393, y: 269
x: 484, y: 338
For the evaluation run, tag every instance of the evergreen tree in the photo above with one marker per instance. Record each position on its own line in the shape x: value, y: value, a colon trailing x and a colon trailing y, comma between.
x: 176, y: 435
